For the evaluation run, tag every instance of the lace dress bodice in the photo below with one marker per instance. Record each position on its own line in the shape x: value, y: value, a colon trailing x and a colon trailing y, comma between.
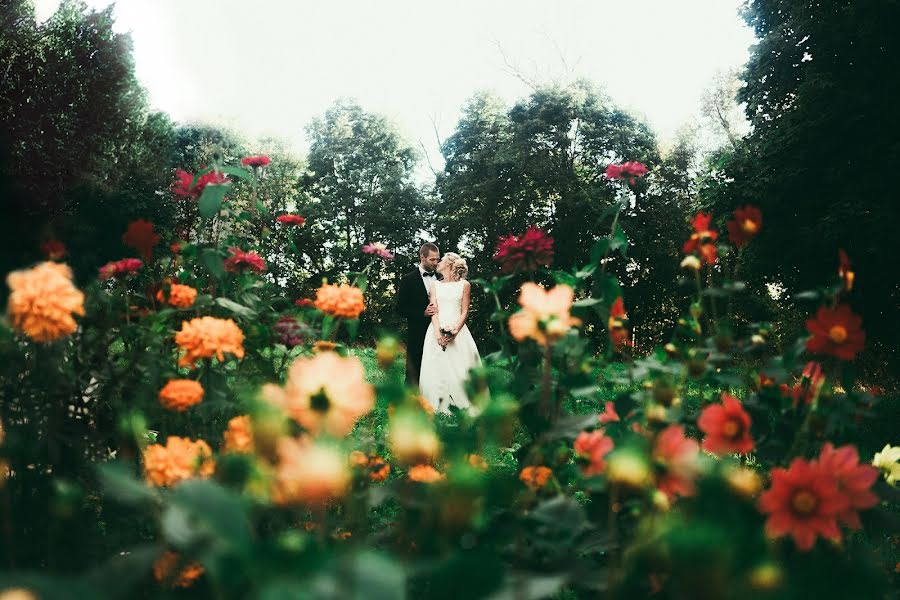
x: 448, y: 296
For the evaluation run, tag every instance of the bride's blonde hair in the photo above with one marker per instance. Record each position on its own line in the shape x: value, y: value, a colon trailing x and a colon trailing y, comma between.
x: 457, y: 265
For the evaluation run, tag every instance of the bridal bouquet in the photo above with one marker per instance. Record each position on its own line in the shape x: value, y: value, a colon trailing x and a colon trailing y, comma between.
x: 448, y: 333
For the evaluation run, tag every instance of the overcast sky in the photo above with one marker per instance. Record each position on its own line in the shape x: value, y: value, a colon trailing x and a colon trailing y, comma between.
x: 267, y: 68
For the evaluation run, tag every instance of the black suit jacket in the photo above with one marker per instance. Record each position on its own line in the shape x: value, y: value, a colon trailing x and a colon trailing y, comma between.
x: 412, y: 299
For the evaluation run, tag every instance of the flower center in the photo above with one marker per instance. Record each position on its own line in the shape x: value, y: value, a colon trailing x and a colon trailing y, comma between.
x: 838, y: 334
x: 804, y: 502
x: 731, y: 429
x: 749, y: 226
x: 319, y: 401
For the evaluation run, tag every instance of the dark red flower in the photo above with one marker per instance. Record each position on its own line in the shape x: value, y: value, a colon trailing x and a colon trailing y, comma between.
x: 836, y: 332
x: 804, y: 502
x: 121, y: 268
x: 703, y: 239
x: 303, y: 302
x: 182, y: 184
x: 141, y: 236
x: 727, y: 427
x: 618, y: 332
x: 629, y: 170
x: 291, y: 219
x: 242, y: 261
x: 53, y: 249
x: 854, y: 481
x: 844, y: 270
x: 745, y: 225
x: 290, y: 331
x: 527, y: 252
x: 255, y: 161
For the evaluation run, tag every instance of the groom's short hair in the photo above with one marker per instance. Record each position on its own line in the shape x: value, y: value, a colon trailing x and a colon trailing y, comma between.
x: 427, y: 248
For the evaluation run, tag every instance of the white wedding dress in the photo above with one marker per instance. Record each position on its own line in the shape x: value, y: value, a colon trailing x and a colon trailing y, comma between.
x: 444, y: 373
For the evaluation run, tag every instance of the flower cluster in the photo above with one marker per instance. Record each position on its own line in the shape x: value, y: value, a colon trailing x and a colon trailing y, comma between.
x: 525, y: 253
x: 545, y: 314
x: 241, y: 261
x: 125, y: 267
x: 180, y: 394
x: 43, y: 301
x: 207, y: 337
x: 345, y: 301
x: 180, y: 459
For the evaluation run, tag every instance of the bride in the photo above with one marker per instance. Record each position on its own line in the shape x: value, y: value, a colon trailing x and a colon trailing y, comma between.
x: 450, y: 350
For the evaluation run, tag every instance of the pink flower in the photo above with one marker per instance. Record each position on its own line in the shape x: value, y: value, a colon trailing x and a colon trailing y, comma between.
x: 630, y: 169
x: 854, y: 481
x: 291, y: 220
x: 241, y: 261
x: 255, y: 161
x: 609, y: 414
x: 182, y: 184
x: 676, y: 457
x: 590, y: 450
x: 378, y: 249
x: 527, y: 252
x: 120, y: 268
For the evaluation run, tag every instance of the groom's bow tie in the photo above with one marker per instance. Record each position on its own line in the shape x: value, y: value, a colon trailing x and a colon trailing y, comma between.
x: 427, y: 274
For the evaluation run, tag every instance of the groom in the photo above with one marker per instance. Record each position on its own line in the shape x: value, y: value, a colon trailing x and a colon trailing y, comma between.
x: 413, y: 305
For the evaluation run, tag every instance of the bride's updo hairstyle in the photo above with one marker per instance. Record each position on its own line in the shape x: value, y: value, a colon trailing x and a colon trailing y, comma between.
x: 457, y: 265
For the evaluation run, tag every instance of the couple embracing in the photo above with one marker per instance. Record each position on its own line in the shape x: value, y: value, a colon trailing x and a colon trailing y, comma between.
x: 440, y: 350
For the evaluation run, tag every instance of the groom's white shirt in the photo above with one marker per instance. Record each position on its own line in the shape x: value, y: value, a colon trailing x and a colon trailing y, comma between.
x: 426, y: 281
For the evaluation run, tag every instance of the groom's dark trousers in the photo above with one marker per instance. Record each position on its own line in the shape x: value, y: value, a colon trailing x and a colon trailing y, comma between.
x: 412, y: 300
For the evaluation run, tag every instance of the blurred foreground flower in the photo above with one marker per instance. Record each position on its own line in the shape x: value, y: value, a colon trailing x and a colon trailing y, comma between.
x: 675, y: 457
x: 590, y: 449
x: 241, y: 261
x: 888, y: 461
x: 164, y: 571
x: 378, y: 249
x: 528, y: 252
x: 343, y: 300
x: 411, y: 437
x: 239, y: 435
x: 292, y: 220
x: 535, y: 478
x: 180, y: 394
x: 182, y: 185
x: 180, y: 459
x: 853, y: 479
x: 53, y: 249
x: 545, y: 314
x: 627, y: 170
x: 180, y: 296
x: 42, y: 302
x: 425, y: 474
x: 125, y: 267
x: 141, y: 237
x: 326, y: 392
x: 703, y: 239
x: 256, y: 161
x: 207, y: 337
x: 745, y: 225
x: 309, y: 472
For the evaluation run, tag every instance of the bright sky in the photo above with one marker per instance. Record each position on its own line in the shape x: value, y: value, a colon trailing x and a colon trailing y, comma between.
x: 268, y: 68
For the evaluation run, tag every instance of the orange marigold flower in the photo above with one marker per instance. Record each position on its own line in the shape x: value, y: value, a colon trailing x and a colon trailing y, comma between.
x: 853, y: 479
x: 325, y: 392
x: 590, y: 449
x: 42, y: 302
x: 425, y: 474
x: 180, y: 296
x: 309, y: 472
x: 378, y: 469
x: 165, y: 566
x: 836, y: 332
x: 343, y: 300
x: 745, y: 225
x: 703, y: 239
x: 804, y: 502
x: 206, y: 337
x: 675, y: 456
x: 545, y: 314
x: 477, y: 461
x: 180, y: 394
x: 535, y: 477
x: 358, y: 459
x: 239, y: 435
x: 180, y: 459
x: 727, y: 427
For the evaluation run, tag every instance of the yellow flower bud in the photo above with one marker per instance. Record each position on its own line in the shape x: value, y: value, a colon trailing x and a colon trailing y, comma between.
x: 628, y: 468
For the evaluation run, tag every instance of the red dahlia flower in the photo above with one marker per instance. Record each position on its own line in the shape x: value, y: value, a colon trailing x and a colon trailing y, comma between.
x: 527, y: 252
x: 53, y: 249
x: 618, y: 333
x: 590, y: 448
x: 629, y: 170
x: 609, y: 414
x: 242, y: 261
x: 675, y: 455
x: 291, y: 220
x: 745, y: 225
x: 141, y: 237
x: 836, y: 332
x: 853, y: 479
x: 702, y: 239
x: 120, y: 268
x: 255, y: 161
x: 182, y: 184
x: 727, y: 427
x: 804, y: 502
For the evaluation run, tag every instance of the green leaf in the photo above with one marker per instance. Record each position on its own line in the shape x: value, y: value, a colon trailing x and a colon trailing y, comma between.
x: 352, y: 328
x: 237, y: 172
x: 362, y: 282
x: 601, y: 247
x: 211, y: 198
x: 213, y: 510
x: 619, y: 241
x: 607, y: 288
x: 213, y: 263
x: 586, y: 303
x: 200, y: 174
x: 327, y: 326
x: 238, y: 309
x: 373, y: 576
x: 117, y: 480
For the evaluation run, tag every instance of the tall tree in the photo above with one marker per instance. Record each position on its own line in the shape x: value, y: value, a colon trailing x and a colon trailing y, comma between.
x: 825, y: 126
